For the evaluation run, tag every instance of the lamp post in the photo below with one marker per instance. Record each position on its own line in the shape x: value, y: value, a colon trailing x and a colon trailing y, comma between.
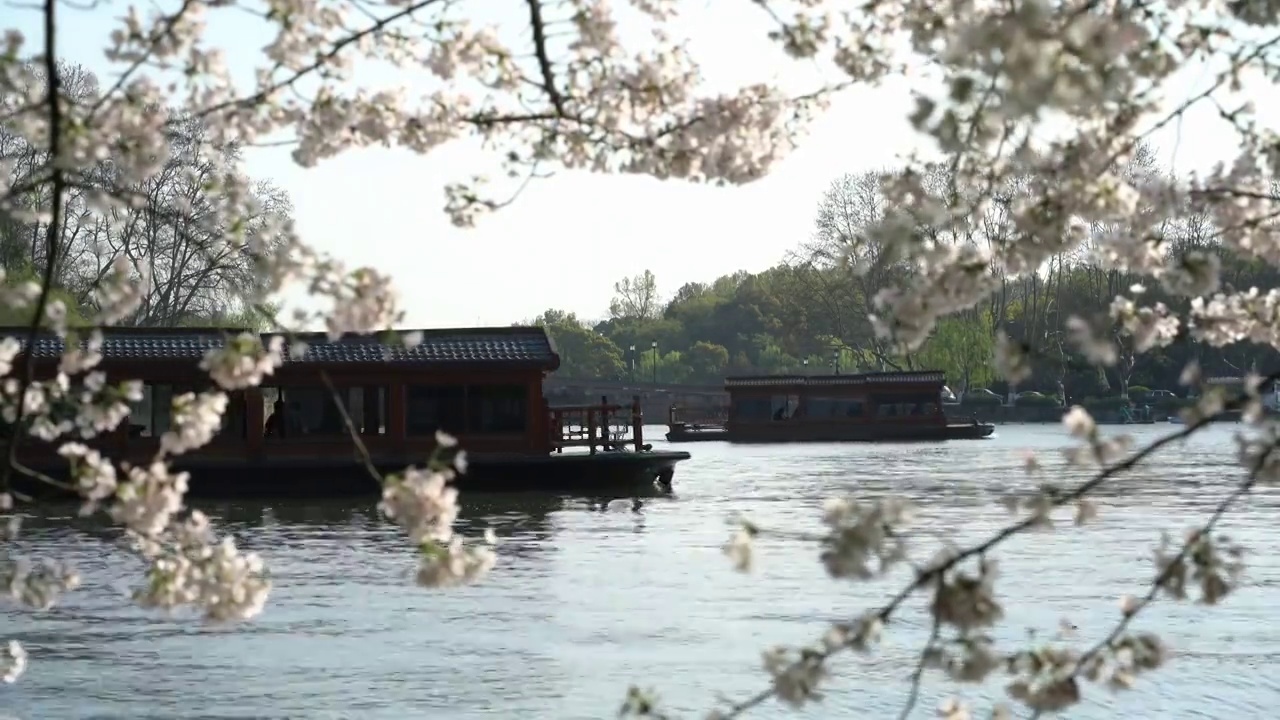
x: 805, y: 363
x: 835, y: 360
x: 631, y: 355
x: 654, y: 345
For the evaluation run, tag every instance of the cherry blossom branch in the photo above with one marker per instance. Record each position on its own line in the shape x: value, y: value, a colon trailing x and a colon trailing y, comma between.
x: 1157, y: 585
x: 162, y: 31
x: 321, y: 59
x: 937, y: 571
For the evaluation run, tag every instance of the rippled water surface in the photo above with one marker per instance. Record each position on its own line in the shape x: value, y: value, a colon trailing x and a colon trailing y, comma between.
x: 586, y: 602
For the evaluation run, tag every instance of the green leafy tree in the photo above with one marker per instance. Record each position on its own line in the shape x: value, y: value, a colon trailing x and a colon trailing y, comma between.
x: 584, y: 353
x: 962, y: 346
x: 707, y: 361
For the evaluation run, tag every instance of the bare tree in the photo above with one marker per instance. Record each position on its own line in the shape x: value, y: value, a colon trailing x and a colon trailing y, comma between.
x: 636, y: 298
x: 172, y: 228
x: 833, y: 279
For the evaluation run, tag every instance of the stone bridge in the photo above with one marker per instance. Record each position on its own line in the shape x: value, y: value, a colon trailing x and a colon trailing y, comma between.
x: 655, y: 398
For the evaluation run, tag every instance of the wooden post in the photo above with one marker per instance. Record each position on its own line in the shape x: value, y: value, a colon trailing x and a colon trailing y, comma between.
x: 637, y: 422
x: 539, y: 433
x: 254, y: 412
x: 591, y: 429
x: 371, y: 409
x: 118, y: 439
x: 396, y: 414
x: 605, y: 438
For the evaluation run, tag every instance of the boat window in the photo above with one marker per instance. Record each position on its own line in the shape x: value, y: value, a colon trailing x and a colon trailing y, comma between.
x: 905, y: 409
x: 751, y: 408
x: 833, y: 407
x: 233, y: 420
x: 783, y: 407
x: 497, y: 408
x: 152, y: 415
x: 140, y: 424
x: 313, y: 411
x: 429, y: 408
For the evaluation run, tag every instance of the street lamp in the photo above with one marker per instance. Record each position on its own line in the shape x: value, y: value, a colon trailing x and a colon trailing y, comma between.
x: 835, y: 359
x: 805, y: 363
x: 632, y: 357
x: 654, y: 345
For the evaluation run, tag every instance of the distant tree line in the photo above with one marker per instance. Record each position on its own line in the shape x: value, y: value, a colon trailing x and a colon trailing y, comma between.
x: 811, y: 312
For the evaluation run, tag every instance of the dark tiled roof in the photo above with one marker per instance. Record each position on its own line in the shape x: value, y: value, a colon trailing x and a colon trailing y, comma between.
x: 870, y: 378
x: 507, y: 345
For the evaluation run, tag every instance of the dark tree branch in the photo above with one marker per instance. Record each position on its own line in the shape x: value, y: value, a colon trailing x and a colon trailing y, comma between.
x: 58, y: 186
x: 544, y: 62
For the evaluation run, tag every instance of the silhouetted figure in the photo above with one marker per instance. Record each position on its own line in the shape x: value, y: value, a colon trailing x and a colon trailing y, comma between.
x: 275, y: 423
x: 975, y: 420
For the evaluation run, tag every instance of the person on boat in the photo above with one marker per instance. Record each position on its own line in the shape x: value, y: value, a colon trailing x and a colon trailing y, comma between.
x: 975, y: 420
x: 275, y: 423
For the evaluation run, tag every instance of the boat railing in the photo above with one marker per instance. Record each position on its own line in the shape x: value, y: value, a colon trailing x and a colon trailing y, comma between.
x: 677, y: 415
x: 599, y: 428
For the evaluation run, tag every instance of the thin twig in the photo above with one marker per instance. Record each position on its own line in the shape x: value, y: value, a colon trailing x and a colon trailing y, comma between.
x: 351, y: 429
x: 46, y: 479
x: 365, y: 458
x: 913, y: 694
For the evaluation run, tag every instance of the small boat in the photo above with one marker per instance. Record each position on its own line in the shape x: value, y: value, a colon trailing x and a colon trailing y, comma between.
x: 866, y: 407
x: 683, y: 432
x: 702, y: 429
x: 289, y: 438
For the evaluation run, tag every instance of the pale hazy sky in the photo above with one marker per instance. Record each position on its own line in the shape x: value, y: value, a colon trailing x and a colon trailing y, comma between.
x: 566, y: 240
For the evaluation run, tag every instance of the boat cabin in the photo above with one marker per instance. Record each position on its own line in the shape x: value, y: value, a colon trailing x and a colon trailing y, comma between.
x: 834, y: 407
x: 481, y: 385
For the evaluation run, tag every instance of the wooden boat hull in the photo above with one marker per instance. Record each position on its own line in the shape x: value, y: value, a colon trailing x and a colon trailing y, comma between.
x: 865, y: 433
x: 615, y: 473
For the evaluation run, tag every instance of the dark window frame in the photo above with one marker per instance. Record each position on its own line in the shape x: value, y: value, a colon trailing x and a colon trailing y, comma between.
x: 751, y: 408
x: 434, y: 407
x: 235, y: 421
x: 329, y: 425
x: 835, y: 407
x: 507, y: 407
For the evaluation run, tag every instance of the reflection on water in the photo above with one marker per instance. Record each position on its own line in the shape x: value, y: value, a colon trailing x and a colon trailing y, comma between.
x: 587, y: 600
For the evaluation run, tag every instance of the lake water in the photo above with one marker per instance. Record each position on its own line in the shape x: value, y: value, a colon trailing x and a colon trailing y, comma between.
x: 584, y: 603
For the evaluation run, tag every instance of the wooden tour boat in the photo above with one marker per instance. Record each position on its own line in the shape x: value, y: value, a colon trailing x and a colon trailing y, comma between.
x: 682, y: 427
x: 867, y: 407
x: 288, y: 439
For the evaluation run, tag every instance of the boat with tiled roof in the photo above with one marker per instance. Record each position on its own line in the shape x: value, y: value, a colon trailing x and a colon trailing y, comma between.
x: 862, y: 407
x: 288, y: 438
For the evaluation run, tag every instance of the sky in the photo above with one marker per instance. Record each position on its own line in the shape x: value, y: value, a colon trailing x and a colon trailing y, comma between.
x: 567, y: 239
